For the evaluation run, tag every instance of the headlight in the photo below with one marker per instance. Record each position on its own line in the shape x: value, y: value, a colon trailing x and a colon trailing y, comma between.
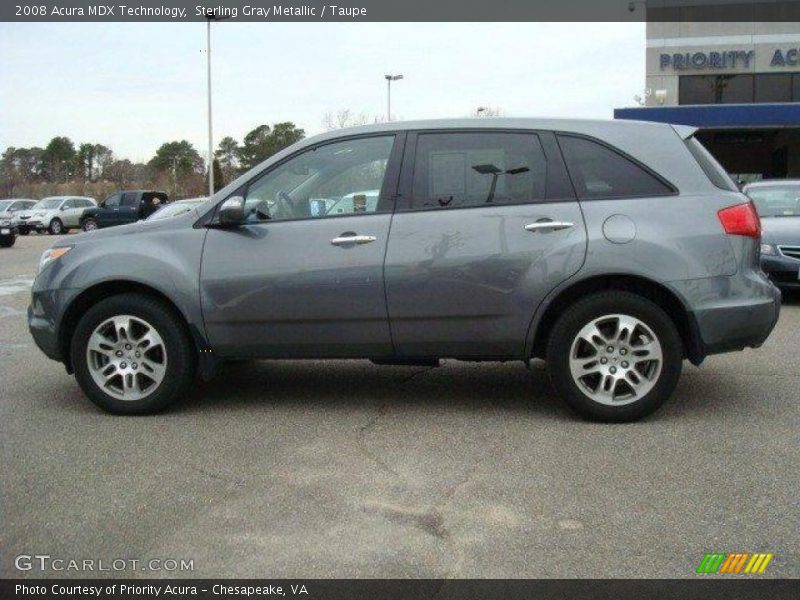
x: 52, y: 254
x: 768, y: 249
x: 38, y: 214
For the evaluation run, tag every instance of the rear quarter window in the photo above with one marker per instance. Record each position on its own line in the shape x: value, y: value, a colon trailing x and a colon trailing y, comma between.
x: 710, y: 166
x: 600, y: 172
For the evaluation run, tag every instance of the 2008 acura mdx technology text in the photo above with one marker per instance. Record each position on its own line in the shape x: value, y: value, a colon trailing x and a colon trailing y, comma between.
x: 613, y: 250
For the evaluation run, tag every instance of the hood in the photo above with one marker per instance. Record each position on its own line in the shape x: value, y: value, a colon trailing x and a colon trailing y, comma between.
x: 781, y: 230
x: 179, y: 222
x: 24, y: 213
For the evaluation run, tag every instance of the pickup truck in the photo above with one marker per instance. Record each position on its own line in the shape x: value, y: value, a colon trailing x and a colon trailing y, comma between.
x: 121, y: 208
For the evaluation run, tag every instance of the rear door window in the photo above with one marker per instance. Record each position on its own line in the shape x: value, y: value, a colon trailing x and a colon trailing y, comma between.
x: 600, y: 172
x: 465, y: 169
x: 130, y: 199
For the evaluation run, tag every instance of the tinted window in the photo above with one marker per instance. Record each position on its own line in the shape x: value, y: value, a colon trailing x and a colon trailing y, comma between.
x: 341, y: 178
x: 773, y: 87
x: 718, y: 176
x: 130, y: 199
x: 715, y: 89
x: 600, y: 172
x: 459, y: 170
x: 112, y: 201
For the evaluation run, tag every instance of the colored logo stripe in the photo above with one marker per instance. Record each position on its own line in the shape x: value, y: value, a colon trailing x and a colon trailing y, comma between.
x: 732, y: 562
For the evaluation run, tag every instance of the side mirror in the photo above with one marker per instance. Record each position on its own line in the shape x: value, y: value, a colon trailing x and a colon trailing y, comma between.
x: 62, y: 207
x: 231, y: 212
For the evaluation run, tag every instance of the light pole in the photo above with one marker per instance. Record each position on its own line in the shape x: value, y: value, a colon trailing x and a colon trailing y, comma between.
x: 210, y: 16
x: 389, y: 80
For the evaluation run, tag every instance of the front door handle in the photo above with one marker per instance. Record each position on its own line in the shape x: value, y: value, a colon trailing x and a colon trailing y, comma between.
x: 547, y: 226
x: 349, y: 240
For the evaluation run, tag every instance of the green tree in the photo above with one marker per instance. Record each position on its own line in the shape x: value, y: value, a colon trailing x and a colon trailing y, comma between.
x: 178, y: 158
x: 58, y: 159
x: 227, y: 153
x: 262, y: 142
x: 219, y: 177
x: 103, y: 158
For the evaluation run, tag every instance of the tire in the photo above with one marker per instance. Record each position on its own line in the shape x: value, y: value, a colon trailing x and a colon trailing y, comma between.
x: 8, y: 242
x: 89, y: 224
x: 56, y: 227
x: 24, y: 232
x: 581, y: 370
x: 172, y: 353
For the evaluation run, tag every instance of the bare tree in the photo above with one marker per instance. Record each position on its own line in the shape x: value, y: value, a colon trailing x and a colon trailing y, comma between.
x: 347, y: 118
x: 488, y: 111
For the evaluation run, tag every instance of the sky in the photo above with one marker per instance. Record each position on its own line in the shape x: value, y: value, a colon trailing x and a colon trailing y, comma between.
x: 134, y: 86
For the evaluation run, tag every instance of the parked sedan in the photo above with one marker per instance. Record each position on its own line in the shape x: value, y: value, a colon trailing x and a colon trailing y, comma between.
x: 55, y: 214
x: 176, y: 208
x: 778, y: 204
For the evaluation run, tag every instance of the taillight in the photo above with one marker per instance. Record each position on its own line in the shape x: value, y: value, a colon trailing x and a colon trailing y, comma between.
x: 741, y: 219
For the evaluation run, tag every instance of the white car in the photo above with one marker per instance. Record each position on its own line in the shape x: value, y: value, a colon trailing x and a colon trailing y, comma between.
x: 56, y: 214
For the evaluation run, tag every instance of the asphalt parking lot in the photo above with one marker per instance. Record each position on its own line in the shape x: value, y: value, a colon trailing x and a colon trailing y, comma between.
x: 345, y: 469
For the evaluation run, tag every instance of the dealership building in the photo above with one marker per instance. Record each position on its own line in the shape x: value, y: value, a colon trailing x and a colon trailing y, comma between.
x: 739, y: 82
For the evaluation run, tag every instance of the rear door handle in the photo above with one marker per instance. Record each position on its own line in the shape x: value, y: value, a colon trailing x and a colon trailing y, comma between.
x: 547, y: 226
x: 348, y: 240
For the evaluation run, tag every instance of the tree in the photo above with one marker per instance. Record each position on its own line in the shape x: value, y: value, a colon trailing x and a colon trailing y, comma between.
x: 227, y: 153
x: 103, y: 158
x: 178, y: 158
x: 346, y: 118
x: 262, y: 142
x: 84, y: 162
x: 121, y: 172
x: 58, y: 159
x: 219, y: 178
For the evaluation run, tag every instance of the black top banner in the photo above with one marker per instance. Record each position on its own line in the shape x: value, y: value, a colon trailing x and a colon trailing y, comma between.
x: 402, y: 10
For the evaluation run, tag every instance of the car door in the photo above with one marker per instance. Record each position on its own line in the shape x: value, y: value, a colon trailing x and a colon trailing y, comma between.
x: 486, y: 225
x: 303, y: 276
x: 72, y: 212
x: 109, y: 211
x: 128, y: 208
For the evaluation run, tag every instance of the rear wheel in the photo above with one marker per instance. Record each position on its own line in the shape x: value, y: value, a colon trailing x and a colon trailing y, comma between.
x: 614, y: 356
x: 132, y: 354
x: 89, y: 224
x: 56, y: 227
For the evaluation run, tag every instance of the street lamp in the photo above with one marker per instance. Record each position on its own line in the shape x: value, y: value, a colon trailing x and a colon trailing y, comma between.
x: 389, y: 80
x: 210, y: 16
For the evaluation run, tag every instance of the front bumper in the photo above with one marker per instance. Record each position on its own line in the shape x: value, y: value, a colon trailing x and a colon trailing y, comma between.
x: 782, y: 271
x: 30, y: 225
x: 11, y: 229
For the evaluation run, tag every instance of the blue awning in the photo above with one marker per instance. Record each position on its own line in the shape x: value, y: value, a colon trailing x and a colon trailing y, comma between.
x: 714, y: 116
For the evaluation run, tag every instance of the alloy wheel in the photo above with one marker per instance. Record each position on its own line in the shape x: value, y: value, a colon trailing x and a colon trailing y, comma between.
x: 127, y: 357
x: 616, y: 359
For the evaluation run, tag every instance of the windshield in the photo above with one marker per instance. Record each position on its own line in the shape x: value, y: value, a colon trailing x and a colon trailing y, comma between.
x: 777, y: 201
x: 4, y: 204
x: 173, y: 210
x: 50, y: 203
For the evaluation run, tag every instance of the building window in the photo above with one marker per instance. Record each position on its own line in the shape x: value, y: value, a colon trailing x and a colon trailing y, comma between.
x: 774, y: 87
x: 715, y: 89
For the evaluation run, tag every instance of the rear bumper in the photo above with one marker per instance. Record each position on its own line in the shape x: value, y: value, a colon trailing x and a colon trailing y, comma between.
x: 737, y: 323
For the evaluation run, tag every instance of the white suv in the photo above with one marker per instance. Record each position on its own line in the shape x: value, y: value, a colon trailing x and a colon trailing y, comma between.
x: 56, y: 214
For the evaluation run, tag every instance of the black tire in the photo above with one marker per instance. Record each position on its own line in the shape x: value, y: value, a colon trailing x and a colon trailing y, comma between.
x: 593, y: 307
x: 7, y: 242
x: 181, y: 352
x: 89, y: 224
x: 56, y: 227
x: 24, y: 232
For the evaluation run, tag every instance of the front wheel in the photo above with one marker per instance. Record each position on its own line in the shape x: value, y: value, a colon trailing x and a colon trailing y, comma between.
x: 132, y: 354
x: 614, y: 356
x: 56, y: 227
x: 7, y: 242
x: 89, y: 224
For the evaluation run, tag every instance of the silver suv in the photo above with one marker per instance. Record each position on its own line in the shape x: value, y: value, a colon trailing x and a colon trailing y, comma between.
x: 54, y: 214
x: 613, y: 250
